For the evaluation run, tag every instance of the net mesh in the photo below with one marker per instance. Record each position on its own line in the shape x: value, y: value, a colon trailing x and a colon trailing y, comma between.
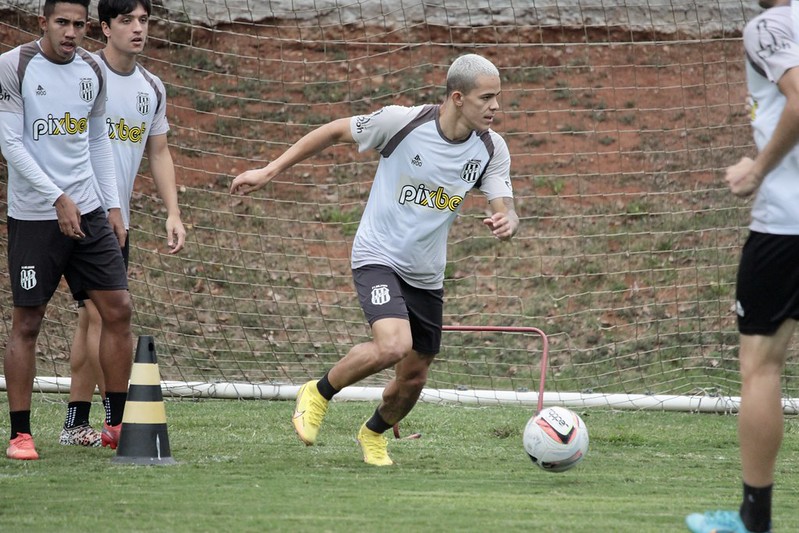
x: 620, y: 120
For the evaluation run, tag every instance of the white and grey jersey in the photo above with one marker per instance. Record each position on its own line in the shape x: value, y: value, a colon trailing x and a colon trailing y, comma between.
x: 770, y: 41
x: 420, y: 183
x: 51, y: 114
x: 134, y: 111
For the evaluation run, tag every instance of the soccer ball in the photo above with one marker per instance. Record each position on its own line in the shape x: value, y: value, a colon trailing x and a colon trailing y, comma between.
x: 556, y: 439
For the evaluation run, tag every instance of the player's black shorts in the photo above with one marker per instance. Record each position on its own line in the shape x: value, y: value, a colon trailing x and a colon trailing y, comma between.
x: 767, y: 291
x: 39, y: 254
x: 383, y: 294
x: 125, y: 257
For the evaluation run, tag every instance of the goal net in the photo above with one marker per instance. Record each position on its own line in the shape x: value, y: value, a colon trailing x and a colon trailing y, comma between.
x: 620, y: 120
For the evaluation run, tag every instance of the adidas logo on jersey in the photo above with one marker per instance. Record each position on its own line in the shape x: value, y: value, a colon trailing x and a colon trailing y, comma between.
x: 40, y: 91
x: 416, y: 161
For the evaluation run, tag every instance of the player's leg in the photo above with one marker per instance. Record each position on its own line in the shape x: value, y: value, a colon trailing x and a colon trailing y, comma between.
x: 97, y: 269
x: 425, y: 323
x: 20, y: 370
x: 380, y: 294
x: 403, y: 391
x: 115, y: 355
x: 760, y: 432
x: 86, y: 375
x: 37, y: 252
x: 391, y: 342
x: 399, y: 397
x: 760, y: 420
x: 767, y: 305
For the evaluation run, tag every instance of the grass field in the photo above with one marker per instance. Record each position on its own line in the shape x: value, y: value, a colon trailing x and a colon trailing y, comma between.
x: 240, y: 468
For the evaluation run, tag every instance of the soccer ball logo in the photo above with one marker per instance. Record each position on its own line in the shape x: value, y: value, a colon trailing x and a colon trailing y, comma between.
x: 556, y: 439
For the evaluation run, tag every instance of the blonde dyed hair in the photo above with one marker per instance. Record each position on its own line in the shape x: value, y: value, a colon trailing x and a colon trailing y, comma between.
x: 464, y: 71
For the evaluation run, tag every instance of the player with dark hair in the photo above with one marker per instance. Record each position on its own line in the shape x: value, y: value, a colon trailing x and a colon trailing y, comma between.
x: 60, y: 175
x: 431, y: 156
x: 136, y: 124
x: 767, y: 290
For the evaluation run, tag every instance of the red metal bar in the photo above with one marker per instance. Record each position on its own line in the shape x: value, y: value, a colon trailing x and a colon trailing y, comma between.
x: 505, y: 329
x: 518, y: 329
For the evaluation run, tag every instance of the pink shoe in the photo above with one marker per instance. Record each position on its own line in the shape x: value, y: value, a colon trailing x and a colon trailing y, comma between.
x: 111, y: 435
x: 22, y: 448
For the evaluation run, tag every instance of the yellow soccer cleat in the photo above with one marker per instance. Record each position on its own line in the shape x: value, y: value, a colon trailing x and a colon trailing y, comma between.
x: 309, y: 412
x: 374, y: 447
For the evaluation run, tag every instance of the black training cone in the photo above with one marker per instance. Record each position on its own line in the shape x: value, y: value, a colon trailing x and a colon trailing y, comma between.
x: 143, y: 439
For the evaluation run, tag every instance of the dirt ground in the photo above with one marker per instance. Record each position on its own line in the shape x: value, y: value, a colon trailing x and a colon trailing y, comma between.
x: 574, y: 103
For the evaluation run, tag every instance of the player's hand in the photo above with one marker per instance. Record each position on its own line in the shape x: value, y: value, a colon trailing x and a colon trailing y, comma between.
x: 117, y: 224
x: 68, y: 217
x: 501, y: 225
x: 250, y: 181
x: 742, y: 178
x: 175, y: 234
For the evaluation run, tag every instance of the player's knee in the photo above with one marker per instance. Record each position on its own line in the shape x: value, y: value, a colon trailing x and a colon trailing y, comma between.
x: 415, y: 382
x: 119, y: 312
x: 757, y: 368
x: 394, y: 350
x: 26, y: 327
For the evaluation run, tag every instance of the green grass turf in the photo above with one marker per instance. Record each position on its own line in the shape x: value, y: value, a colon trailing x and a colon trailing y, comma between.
x: 241, y: 468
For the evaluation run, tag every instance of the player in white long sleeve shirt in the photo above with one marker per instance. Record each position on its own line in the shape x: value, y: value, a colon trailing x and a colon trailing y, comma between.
x: 136, y: 124
x: 52, y: 134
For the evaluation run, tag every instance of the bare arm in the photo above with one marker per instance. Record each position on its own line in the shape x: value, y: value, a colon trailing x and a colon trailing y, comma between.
x: 334, y: 132
x: 504, y: 221
x: 163, y: 171
x: 745, y: 176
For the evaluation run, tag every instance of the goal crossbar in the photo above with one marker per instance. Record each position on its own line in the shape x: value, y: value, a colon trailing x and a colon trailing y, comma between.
x: 539, y: 398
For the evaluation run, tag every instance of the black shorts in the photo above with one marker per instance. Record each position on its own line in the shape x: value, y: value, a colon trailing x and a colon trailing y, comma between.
x: 383, y: 294
x: 39, y: 254
x: 767, y: 290
x: 125, y: 257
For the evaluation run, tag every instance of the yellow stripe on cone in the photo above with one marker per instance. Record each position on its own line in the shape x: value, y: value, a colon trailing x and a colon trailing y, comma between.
x: 145, y: 374
x: 144, y: 413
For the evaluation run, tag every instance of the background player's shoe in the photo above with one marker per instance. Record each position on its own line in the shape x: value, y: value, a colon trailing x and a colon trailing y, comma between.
x: 22, y: 448
x: 83, y: 435
x: 374, y: 447
x: 716, y: 522
x: 110, y: 435
x: 309, y: 412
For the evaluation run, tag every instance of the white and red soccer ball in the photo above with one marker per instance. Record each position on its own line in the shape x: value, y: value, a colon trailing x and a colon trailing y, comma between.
x: 556, y: 439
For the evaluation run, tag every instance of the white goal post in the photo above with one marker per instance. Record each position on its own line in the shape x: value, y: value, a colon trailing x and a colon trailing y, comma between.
x: 619, y: 118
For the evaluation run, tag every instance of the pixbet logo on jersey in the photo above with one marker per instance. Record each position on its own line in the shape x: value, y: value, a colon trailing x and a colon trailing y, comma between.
x: 434, y: 199
x: 122, y: 132
x: 66, y: 125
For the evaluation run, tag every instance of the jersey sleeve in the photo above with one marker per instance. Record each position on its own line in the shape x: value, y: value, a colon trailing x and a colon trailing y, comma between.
x: 769, y: 43
x: 10, y: 95
x: 496, y: 180
x: 12, y: 126
x: 100, y: 152
x: 13, y: 149
x: 160, y: 125
x: 98, y: 109
x: 373, y: 131
x: 102, y: 160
